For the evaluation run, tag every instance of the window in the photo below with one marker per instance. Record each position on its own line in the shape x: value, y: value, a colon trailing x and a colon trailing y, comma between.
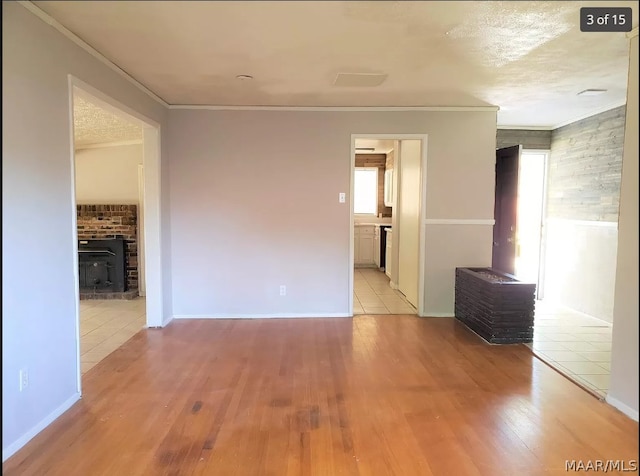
x: 365, y: 191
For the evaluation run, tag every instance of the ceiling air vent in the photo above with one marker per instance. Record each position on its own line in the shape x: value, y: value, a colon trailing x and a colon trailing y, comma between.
x: 592, y: 92
x: 359, y: 80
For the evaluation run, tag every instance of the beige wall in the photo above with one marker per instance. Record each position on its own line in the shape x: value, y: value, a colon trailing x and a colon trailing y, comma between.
x: 108, y: 175
x: 255, y: 205
x: 623, y: 389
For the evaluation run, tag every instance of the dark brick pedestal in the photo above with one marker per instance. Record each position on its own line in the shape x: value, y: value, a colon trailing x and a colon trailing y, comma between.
x: 495, y: 305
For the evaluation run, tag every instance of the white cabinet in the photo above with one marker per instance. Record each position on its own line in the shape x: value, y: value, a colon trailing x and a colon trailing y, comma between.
x: 366, y: 249
x: 387, y: 254
x: 388, y: 188
x: 363, y: 245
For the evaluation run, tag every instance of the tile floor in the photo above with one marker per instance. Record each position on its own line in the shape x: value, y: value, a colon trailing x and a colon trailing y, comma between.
x: 107, y: 324
x: 373, y: 295
x: 577, y: 345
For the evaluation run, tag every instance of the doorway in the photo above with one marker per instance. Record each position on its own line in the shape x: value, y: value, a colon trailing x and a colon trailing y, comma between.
x: 106, y: 212
x: 393, y: 281
x: 530, y: 222
x: 575, y: 344
x: 518, y: 235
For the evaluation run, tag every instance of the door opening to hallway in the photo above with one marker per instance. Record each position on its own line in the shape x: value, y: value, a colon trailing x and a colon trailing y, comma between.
x: 388, y: 175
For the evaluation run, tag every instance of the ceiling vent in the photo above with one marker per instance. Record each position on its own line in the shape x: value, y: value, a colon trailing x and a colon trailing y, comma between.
x: 359, y: 80
x: 592, y: 92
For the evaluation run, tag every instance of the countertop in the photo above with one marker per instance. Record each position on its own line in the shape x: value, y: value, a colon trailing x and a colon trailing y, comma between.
x: 372, y: 224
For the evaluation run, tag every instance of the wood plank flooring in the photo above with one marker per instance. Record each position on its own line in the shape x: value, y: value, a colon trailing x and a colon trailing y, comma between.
x: 373, y: 395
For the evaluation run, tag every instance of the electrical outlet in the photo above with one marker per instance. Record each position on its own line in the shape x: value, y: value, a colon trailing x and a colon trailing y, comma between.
x: 283, y: 290
x: 24, y: 379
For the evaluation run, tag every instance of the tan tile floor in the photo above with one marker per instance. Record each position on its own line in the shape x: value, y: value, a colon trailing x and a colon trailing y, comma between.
x: 577, y: 345
x: 107, y: 324
x: 373, y: 295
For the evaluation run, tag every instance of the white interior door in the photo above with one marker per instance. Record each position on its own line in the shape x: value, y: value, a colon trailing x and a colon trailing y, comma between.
x: 409, y: 220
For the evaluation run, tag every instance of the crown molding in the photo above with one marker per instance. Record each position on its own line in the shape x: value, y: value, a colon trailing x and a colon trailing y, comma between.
x: 337, y: 108
x: 48, y: 19
x: 526, y: 128
x: 587, y: 115
x: 591, y: 114
x: 633, y: 33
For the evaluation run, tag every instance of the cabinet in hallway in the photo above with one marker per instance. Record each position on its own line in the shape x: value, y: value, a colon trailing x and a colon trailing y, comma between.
x: 363, y: 245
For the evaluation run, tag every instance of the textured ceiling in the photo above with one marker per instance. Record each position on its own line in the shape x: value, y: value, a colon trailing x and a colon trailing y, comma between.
x: 94, y: 125
x: 529, y: 58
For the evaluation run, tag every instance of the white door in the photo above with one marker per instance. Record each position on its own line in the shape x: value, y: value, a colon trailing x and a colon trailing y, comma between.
x: 408, y: 232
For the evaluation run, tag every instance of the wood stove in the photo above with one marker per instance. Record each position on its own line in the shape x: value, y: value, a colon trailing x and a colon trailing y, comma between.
x: 102, y: 265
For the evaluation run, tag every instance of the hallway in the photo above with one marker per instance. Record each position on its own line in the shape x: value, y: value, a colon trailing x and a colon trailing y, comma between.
x: 373, y: 295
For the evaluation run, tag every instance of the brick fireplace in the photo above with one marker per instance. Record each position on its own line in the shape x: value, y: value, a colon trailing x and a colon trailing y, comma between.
x: 112, y: 221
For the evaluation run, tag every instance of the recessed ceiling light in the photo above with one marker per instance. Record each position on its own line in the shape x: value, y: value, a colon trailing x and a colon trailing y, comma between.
x: 244, y: 76
x: 592, y: 92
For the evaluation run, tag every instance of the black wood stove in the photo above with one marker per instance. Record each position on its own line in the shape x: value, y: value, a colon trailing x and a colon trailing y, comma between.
x: 102, y: 265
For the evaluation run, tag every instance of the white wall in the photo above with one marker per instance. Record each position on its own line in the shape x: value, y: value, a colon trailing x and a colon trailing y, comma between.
x: 623, y: 389
x: 585, y: 279
x: 38, y: 214
x: 254, y: 204
x: 108, y: 175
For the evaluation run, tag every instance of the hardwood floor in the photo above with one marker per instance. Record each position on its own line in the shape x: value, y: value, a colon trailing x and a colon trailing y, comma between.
x: 373, y: 395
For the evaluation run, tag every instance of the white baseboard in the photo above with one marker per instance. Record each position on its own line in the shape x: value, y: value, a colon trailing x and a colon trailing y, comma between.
x: 262, y: 316
x: 626, y: 409
x: 438, y: 314
x: 41, y: 425
x: 167, y: 321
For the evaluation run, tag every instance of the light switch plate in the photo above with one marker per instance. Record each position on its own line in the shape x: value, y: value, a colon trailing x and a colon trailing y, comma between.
x: 342, y: 197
